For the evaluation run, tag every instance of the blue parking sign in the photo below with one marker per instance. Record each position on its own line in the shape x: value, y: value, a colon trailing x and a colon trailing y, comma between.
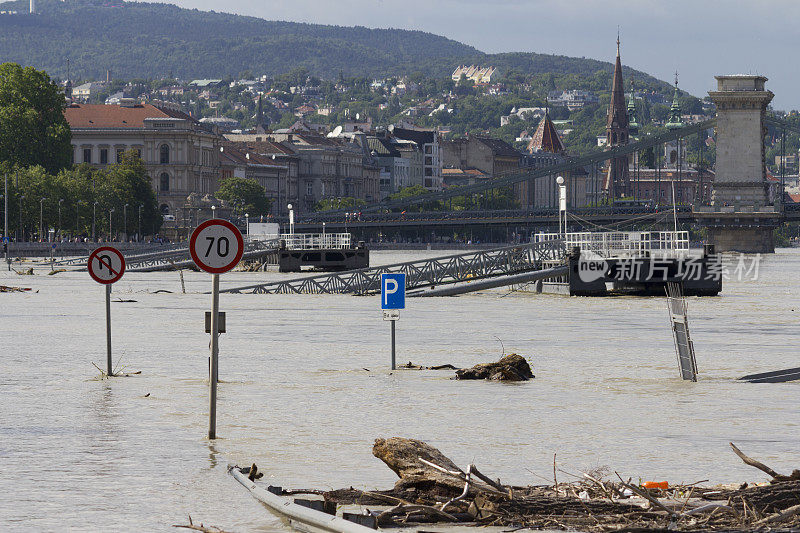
x: 393, y: 291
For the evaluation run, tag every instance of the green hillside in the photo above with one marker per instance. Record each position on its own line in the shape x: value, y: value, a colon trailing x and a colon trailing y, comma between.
x: 144, y: 40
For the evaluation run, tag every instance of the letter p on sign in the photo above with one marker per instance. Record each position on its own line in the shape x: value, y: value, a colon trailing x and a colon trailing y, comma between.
x: 393, y: 291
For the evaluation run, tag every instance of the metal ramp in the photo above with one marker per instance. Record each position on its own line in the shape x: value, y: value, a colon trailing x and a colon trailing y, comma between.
x: 155, y: 249
x: 180, y: 258
x: 684, y: 348
x: 423, y: 273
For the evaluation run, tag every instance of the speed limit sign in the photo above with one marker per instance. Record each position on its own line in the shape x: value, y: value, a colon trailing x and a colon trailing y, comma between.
x: 106, y: 265
x: 216, y: 246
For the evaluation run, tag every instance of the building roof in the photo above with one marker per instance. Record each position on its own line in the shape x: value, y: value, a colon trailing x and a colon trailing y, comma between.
x: 382, y: 147
x: 115, y: 116
x: 264, y: 147
x: 499, y: 147
x: 546, y: 138
x: 229, y: 154
x: 418, y: 136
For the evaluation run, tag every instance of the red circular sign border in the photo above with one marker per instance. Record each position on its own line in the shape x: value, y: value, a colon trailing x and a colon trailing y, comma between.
x: 216, y: 222
x: 94, y: 254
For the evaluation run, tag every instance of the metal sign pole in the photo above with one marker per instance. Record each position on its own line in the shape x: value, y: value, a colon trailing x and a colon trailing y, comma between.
x: 393, y: 353
x: 108, y: 329
x: 212, y: 391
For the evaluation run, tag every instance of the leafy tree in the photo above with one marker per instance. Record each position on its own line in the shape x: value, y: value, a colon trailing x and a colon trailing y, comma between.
x: 246, y: 193
x: 84, y: 195
x: 33, y: 130
x: 347, y: 202
x: 412, y: 192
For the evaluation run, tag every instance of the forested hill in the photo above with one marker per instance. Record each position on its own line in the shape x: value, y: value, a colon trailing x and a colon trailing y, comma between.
x: 147, y: 40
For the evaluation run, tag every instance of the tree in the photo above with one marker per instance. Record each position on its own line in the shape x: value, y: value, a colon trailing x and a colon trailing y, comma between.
x: 245, y: 193
x: 33, y: 130
x: 347, y: 202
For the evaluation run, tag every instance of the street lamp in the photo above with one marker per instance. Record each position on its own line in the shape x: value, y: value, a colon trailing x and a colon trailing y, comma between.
x: 77, y: 218
x: 562, y: 204
x: 291, y: 219
x: 21, y: 235
x: 247, y: 223
x: 110, y: 213
x: 94, y: 218
x: 60, y: 201
x: 139, y: 235
x: 41, y: 219
x: 125, y: 221
x: 213, y: 211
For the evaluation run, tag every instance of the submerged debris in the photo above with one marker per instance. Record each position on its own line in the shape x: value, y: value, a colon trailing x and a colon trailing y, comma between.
x: 7, y: 288
x: 412, y: 366
x: 512, y: 367
x: 432, y: 489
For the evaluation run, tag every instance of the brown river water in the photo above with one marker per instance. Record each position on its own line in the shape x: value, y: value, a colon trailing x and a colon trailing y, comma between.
x: 307, y: 388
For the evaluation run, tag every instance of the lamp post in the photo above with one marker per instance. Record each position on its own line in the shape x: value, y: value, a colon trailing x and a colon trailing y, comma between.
x: 213, y: 211
x: 77, y: 218
x: 41, y: 219
x: 125, y: 221
x: 5, y: 219
x: 139, y: 234
x: 21, y: 233
x: 60, y: 201
x: 247, y: 224
x: 94, y: 218
x: 110, y: 214
x: 291, y: 219
x: 562, y: 204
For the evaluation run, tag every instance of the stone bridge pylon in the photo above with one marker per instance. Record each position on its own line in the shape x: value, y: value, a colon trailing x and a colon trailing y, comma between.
x: 745, y: 209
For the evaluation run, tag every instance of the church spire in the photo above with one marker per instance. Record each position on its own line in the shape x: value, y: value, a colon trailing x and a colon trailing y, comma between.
x: 617, y: 181
x: 617, y: 124
x: 675, y: 120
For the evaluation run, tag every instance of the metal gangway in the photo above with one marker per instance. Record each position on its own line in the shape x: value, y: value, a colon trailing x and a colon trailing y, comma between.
x: 149, y: 250
x: 423, y: 273
x: 180, y: 257
x: 307, y: 241
x: 608, y: 244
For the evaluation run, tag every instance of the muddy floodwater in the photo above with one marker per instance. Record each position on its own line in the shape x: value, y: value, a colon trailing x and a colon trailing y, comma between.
x: 306, y: 389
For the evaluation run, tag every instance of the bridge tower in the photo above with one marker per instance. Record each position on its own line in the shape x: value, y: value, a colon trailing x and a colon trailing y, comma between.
x: 742, y: 216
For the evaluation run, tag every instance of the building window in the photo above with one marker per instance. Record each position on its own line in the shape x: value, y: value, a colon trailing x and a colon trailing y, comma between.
x: 310, y: 189
x: 164, y: 154
x: 87, y: 155
x: 103, y: 156
x: 428, y: 171
x: 164, y: 185
x: 428, y: 149
x: 429, y: 161
x: 120, y: 151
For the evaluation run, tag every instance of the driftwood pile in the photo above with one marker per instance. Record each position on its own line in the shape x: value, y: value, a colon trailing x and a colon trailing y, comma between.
x: 7, y: 288
x: 511, y: 367
x: 432, y: 489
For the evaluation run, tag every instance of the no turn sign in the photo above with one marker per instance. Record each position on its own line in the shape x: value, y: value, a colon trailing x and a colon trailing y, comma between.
x: 216, y: 246
x: 106, y: 265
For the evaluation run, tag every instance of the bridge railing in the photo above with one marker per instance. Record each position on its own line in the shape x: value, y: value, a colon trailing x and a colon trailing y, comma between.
x: 622, y: 243
x: 308, y: 241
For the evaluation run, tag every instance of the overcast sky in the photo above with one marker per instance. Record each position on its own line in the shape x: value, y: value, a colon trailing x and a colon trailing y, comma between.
x: 698, y: 38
